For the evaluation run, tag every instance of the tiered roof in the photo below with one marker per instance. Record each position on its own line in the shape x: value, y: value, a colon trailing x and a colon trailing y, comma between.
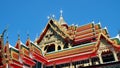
x: 81, y: 52
x: 86, y: 40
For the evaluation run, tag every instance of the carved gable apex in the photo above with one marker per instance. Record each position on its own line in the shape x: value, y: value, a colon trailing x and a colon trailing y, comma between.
x: 52, y: 26
x: 50, y: 37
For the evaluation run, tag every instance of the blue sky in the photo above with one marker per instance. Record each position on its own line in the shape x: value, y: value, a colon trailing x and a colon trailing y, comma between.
x: 30, y: 16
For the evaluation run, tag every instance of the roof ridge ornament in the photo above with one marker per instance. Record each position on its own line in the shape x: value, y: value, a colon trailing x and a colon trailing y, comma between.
x: 48, y: 17
x: 99, y: 22
x: 53, y: 16
x: 105, y: 27
x: 119, y: 33
x: 2, y: 35
x: 36, y: 38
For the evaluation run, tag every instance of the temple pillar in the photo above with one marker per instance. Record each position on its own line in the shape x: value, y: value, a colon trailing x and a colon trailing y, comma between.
x: 90, y: 62
x: 100, y: 58
x: 42, y: 65
x: 62, y: 46
x: 7, y: 66
x: 56, y: 47
x: 69, y: 45
x: 71, y: 66
x: 54, y: 66
x: 115, y: 55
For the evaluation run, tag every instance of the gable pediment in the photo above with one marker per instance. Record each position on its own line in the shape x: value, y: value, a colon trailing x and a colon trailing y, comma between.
x: 55, y: 27
x: 51, y: 32
x: 105, y: 44
x: 50, y: 37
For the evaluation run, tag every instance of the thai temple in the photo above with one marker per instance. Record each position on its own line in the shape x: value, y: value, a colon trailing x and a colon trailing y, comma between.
x: 63, y: 46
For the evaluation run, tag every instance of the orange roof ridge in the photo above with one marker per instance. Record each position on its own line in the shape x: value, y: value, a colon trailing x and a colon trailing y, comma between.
x: 86, y: 24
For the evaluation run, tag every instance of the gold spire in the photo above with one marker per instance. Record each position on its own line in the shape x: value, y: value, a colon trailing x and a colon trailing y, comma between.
x: 61, y: 19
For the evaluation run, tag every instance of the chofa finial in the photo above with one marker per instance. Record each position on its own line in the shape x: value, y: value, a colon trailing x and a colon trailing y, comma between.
x: 53, y: 16
x: 4, y: 31
x: 48, y: 17
x: 7, y: 37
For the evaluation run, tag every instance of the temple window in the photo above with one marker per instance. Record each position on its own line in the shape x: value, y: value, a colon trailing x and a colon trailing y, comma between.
x: 51, y: 48
x: 107, y: 57
x: 95, y: 61
x: 66, y: 45
x: 59, y: 48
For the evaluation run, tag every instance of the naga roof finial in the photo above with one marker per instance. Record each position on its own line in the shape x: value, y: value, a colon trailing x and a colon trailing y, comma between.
x: 2, y: 35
